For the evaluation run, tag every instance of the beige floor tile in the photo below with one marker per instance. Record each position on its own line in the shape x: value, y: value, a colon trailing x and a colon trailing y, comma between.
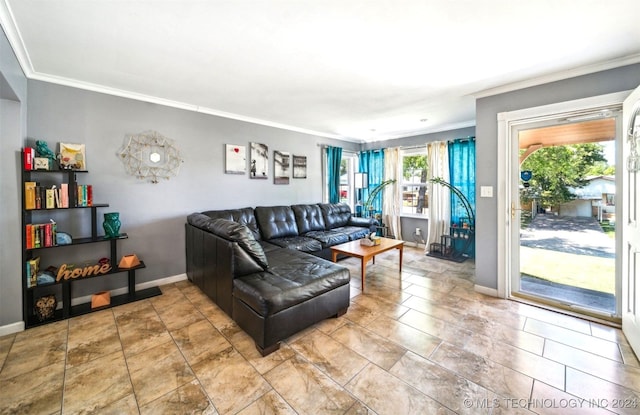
x: 495, y: 377
x: 547, y: 400
x: 551, y: 317
x: 141, y: 329
x: 230, y: 381
x: 612, y: 334
x: 436, y: 327
x: 581, y: 341
x: 96, y: 384
x: 530, y: 364
x: 36, y: 348
x: 612, y: 371
x: 158, y: 371
x: 178, y: 314
x: 370, y: 345
x: 628, y: 356
x: 199, y: 340
x: 92, y: 336
x: 330, y: 356
x: 380, y: 306
x: 35, y: 392
x: 187, y: 399
x: 405, y: 336
x: 5, y: 345
x: 307, y: 389
x: 600, y: 393
x: 269, y: 404
x: 442, y: 385
x: 420, y: 341
x: 386, y: 394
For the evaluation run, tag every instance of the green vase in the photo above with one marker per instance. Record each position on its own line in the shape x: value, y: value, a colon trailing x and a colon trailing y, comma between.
x: 111, y: 225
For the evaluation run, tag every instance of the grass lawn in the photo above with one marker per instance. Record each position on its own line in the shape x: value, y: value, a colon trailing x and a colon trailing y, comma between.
x: 582, y: 271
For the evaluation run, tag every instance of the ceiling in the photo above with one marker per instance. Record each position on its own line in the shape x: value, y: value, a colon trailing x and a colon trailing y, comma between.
x: 358, y: 70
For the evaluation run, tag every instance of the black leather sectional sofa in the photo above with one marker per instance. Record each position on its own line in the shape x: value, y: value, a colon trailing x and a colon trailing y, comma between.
x: 268, y: 268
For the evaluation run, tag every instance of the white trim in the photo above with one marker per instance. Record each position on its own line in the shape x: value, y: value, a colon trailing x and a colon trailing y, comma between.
x: 485, y: 290
x: 19, y: 325
x: 558, y: 76
x: 12, y: 328
x: 507, y: 120
x: 139, y: 287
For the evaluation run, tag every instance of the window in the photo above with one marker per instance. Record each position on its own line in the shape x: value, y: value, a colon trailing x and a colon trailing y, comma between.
x: 347, y: 170
x: 415, y: 200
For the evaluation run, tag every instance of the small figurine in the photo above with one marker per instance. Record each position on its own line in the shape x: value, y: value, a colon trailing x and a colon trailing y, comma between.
x: 43, y: 150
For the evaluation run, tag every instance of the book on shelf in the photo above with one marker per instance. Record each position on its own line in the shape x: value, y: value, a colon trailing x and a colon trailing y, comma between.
x: 30, y: 195
x: 84, y: 195
x: 41, y: 197
x: 29, y: 156
x: 40, y: 235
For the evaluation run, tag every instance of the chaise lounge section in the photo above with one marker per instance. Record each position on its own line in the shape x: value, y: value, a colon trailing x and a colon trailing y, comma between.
x: 267, y: 268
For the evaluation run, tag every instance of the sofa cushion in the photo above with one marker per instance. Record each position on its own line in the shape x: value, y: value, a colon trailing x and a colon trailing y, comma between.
x: 353, y: 232
x: 294, y: 277
x: 236, y: 232
x: 276, y: 221
x: 299, y: 243
x: 308, y: 218
x: 335, y: 214
x: 328, y: 238
x: 244, y: 216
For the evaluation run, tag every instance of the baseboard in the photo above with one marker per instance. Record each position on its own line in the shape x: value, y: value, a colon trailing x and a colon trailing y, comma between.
x: 11, y: 328
x: 485, y: 290
x: 141, y: 286
x: 19, y: 325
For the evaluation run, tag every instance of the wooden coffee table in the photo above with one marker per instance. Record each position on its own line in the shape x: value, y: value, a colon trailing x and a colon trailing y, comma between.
x: 365, y: 253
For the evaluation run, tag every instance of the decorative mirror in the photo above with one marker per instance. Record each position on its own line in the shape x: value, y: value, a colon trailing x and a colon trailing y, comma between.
x: 150, y: 156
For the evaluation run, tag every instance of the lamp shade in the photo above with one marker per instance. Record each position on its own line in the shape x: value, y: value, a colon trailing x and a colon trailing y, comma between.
x: 361, y: 180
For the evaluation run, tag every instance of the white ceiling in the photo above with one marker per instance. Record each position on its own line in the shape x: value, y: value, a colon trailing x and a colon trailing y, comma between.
x: 360, y: 70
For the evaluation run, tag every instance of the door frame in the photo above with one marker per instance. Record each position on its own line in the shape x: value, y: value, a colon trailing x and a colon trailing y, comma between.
x: 506, y: 123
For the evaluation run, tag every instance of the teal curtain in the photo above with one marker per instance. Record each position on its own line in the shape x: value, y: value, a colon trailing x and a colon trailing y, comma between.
x: 334, y: 157
x: 372, y: 163
x: 462, y: 175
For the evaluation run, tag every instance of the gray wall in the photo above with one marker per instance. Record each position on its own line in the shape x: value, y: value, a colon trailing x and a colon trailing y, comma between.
x: 13, y: 97
x: 487, y: 109
x: 153, y: 215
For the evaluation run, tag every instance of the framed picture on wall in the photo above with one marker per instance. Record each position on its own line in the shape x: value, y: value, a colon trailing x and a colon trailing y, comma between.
x: 235, y: 159
x: 281, y: 167
x: 259, y: 161
x: 299, y: 167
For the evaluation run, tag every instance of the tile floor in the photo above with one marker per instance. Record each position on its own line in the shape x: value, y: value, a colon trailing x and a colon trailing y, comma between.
x: 420, y: 343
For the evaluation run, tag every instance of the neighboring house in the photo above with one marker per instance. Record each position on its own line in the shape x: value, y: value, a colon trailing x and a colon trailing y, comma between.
x: 597, y: 199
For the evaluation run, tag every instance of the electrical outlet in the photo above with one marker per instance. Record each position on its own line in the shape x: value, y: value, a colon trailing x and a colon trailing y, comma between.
x: 418, y: 231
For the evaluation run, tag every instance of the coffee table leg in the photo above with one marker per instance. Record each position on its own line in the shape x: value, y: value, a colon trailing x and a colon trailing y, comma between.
x: 400, y: 248
x: 363, y: 270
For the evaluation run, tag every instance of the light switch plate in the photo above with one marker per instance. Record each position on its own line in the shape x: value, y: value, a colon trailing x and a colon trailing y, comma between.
x: 486, y: 191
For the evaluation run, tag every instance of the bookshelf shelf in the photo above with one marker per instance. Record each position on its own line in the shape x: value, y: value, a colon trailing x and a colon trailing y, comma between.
x: 63, y: 289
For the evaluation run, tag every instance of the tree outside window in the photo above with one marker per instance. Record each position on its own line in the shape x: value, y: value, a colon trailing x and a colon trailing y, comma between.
x: 415, y: 199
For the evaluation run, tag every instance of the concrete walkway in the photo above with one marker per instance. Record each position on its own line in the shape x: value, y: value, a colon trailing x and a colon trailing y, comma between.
x: 574, y: 235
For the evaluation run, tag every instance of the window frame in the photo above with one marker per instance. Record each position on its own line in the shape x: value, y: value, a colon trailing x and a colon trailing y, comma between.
x: 412, y: 151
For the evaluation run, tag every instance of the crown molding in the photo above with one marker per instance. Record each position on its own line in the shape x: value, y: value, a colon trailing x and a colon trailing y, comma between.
x: 559, y: 76
x: 8, y: 23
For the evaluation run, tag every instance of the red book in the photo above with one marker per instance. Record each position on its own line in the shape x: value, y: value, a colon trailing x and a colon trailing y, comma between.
x: 29, y: 236
x: 89, y: 195
x: 29, y: 154
x: 47, y: 234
